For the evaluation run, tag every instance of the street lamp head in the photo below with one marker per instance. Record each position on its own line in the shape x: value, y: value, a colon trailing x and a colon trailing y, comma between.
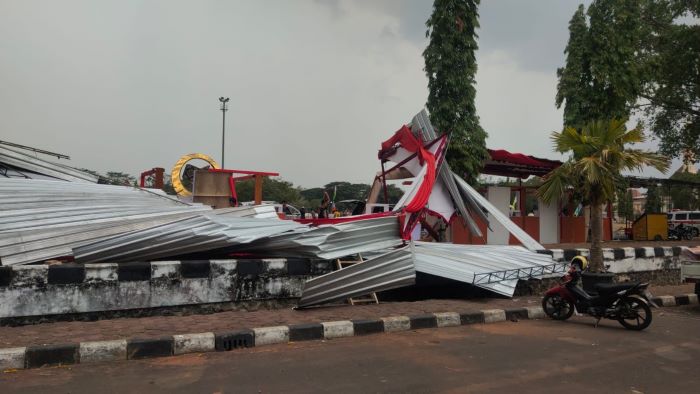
x: 223, y: 100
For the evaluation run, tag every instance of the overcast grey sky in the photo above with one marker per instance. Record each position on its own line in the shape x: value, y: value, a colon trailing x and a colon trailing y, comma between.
x: 315, y: 86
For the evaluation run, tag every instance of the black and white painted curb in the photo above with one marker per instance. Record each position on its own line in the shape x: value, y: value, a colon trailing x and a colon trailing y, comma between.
x: 612, y: 254
x: 135, y: 348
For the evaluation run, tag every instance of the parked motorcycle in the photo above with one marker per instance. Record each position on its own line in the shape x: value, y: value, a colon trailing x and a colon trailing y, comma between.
x: 628, y: 303
x: 680, y: 232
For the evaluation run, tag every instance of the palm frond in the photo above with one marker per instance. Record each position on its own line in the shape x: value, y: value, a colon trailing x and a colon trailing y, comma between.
x: 555, y: 184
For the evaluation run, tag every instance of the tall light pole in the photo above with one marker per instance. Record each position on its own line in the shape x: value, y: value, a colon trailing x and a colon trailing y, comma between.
x: 224, y: 108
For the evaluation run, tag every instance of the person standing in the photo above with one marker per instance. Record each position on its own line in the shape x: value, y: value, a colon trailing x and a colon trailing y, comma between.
x: 325, y: 202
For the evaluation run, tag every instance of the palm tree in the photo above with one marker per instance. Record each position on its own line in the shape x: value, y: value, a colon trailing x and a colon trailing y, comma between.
x: 598, y: 155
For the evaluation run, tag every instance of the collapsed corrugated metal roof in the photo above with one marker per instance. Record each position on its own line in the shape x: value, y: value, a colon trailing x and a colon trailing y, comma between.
x: 42, y: 219
x: 495, y: 268
x: 25, y: 165
x: 492, y: 267
x: 333, y: 241
x: 204, y: 232
x: 271, y: 237
x: 385, y: 272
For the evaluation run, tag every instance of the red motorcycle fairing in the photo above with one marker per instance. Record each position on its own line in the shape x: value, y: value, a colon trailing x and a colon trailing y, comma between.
x: 563, y: 292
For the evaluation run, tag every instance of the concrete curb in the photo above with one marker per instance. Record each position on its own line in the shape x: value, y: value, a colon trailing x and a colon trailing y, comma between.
x: 135, y: 348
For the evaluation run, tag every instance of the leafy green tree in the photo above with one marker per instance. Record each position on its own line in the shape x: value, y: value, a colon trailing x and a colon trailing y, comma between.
x: 395, y: 194
x: 346, y: 191
x: 685, y: 197
x: 672, y: 94
x: 120, y: 178
x: 273, y: 190
x: 653, y: 203
x: 450, y: 64
x: 598, y: 154
x: 603, y: 75
x: 168, y: 187
x: 574, y: 86
x: 625, y: 205
x: 624, y: 55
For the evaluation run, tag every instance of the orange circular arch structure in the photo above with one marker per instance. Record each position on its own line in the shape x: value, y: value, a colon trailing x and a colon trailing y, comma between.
x: 180, y: 189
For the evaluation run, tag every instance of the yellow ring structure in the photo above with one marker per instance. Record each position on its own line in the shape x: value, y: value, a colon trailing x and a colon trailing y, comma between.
x: 175, y: 173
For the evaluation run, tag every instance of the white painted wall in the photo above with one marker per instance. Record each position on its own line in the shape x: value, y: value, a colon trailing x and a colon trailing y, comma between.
x: 500, y: 197
x: 549, y: 222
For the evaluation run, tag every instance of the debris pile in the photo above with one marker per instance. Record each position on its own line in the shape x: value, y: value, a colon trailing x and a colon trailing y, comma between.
x: 72, y: 216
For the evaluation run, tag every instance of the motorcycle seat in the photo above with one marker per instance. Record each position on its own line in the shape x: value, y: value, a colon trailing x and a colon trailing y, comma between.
x: 609, y: 288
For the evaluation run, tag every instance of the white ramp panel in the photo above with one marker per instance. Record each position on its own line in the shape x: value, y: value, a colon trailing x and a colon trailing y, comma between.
x: 495, y: 213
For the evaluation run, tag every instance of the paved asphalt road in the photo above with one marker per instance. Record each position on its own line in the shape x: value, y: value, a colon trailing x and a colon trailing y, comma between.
x: 526, y: 356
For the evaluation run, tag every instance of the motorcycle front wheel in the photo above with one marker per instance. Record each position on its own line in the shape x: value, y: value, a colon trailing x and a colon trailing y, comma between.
x: 557, y: 307
x: 635, y: 314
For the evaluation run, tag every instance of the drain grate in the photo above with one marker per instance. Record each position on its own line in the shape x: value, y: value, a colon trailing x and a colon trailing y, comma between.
x: 234, y: 340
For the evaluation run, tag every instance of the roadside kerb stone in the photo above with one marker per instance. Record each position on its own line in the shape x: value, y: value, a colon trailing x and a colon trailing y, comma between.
x: 515, y: 314
x: 367, y: 327
x: 12, y: 358
x: 86, y: 352
x: 447, y: 319
x: 535, y: 312
x: 667, y: 300
x: 338, y: 329
x: 682, y: 299
x: 194, y: 343
x: 396, y: 323
x: 148, y: 348
x: 494, y: 315
x: 305, y: 332
x: 423, y: 321
x: 271, y: 335
x: 97, y: 351
x: 471, y: 318
x: 50, y: 355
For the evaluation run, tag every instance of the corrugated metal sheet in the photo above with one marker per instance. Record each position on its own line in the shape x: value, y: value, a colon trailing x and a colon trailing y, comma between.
x: 388, y: 271
x: 200, y: 233
x: 333, y: 241
x: 492, y: 267
x: 271, y: 237
x: 24, y: 161
x: 43, y: 219
x: 255, y: 211
x: 497, y: 215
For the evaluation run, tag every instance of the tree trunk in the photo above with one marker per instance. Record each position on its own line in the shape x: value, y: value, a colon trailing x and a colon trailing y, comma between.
x: 597, y: 238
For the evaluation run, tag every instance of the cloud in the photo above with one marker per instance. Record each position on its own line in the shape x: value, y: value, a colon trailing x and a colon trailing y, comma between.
x: 314, y: 86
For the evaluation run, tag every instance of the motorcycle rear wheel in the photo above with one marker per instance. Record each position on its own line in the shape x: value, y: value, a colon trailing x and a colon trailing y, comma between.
x: 635, y: 314
x: 556, y: 307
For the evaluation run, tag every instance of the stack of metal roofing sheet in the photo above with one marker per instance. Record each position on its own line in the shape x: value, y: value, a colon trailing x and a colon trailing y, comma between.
x: 387, y: 271
x: 26, y: 164
x: 333, y: 241
x: 495, y: 268
x: 200, y: 233
x: 253, y: 211
x: 271, y: 237
x: 492, y: 267
x: 42, y: 219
